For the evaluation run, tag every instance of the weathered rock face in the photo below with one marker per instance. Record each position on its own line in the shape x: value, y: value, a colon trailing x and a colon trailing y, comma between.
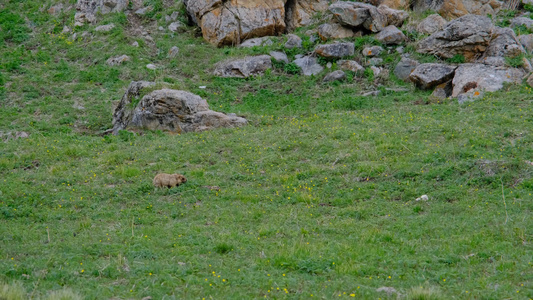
x: 427, y: 76
x: 394, y: 17
x: 451, y: 9
x: 357, y: 14
x: 228, y: 22
x: 242, y: 68
x: 469, y: 36
x: 391, y: 35
x: 309, y: 65
x: 170, y: 110
x: 431, y: 24
x: 337, y: 50
x: 472, y: 78
x: 504, y: 44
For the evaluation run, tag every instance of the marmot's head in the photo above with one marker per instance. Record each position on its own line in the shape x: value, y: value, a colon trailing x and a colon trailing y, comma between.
x: 180, y: 178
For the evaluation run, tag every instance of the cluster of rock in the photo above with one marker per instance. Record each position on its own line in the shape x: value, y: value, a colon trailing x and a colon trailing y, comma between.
x: 226, y: 22
x: 168, y: 110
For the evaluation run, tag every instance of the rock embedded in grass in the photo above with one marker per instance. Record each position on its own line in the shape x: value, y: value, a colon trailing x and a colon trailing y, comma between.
x: 169, y: 110
x: 259, y: 42
x: 173, y: 52
x: 404, y: 68
x: 350, y: 65
x: 372, y: 51
x: 335, y: 75
x: 309, y: 65
x: 279, y: 56
x: 470, y: 78
x: 243, y: 68
x: 337, y: 50
x: 117, y: 60
x: 104, y: 28
x: 293, y: 41
x: 427, y: 76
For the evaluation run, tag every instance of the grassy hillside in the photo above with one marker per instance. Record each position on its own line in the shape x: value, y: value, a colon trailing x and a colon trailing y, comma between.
x: 315, y: 198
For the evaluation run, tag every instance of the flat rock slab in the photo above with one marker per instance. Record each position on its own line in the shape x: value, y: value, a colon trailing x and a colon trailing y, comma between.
x: 309, y: 65
x: 469, y: 36
x: 427, y: 76
x: 471, y: 78
x: 337, y: 50
x: 243, y: 68
x: 169, y: 110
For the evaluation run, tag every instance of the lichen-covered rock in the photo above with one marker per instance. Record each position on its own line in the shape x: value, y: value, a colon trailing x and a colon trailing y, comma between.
x: 372, y: 51
x: 469, y: 36
x: 472, y: 78
x: 391, y: 35
x: 394, y: 17
x: 427, y: 76
x: 300, y: 12
x: 334, y: 31
x: 337, y: 50
x: 169, y: 110
x: 431, y: 24
x: 309, y: 65
x: 349, y: 65
x: 243, y: 68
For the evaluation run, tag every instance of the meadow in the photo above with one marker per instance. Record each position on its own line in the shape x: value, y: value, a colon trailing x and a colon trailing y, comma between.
x: 315, y: 198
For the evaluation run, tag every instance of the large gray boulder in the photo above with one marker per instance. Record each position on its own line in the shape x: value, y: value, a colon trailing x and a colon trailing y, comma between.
x: 337, y: 50
x: 356, y: 14
x: 309, y: 65
x: 469, y: 36
x: 431, y: 24
x: 170, y: 110
x: 427, y: 76
x: 243, y: 68
x: 472, y: 78
x: 391, y: 35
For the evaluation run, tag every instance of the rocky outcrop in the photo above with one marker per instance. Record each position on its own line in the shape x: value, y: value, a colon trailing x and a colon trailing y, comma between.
x: 243, y: 68
x: 337, y: 50
x: 169, y: 110
x: 431, y: 24
x: 230, y: 22
x: 469, y: 36
x: 427, y: 76
x: 472, y: 78
x: 504, y: 44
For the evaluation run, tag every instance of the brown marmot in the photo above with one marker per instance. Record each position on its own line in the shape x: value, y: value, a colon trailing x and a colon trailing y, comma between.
x: 168, y: 180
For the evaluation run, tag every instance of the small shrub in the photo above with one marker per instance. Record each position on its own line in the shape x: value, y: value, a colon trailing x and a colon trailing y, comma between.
x: 457, y: 59
x: 515, y: 62
x: 223, y: 248
x: 291, y: 68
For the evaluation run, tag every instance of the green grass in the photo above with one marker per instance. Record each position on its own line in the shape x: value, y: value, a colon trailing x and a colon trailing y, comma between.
x: 315, y: 197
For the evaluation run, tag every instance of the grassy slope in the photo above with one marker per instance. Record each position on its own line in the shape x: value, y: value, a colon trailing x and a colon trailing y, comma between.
x: 317, y: 195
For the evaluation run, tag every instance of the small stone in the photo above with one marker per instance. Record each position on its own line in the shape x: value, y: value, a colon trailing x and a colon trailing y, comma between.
x: 372, y: 51
x: 118, y: 60
x: 421, y: 198
x: 261, y: 41
x: 333, y: 76
x: 376, y: 71
x: 329, y: 65
x: 174, y: 16
x: 173, y: 52
x: 388, y: 290
x: 161, y: 28
x: 309, y: 65
x: 375, y: 61
x: 174, y: 26
x: 143, y: 11
x: 151, y: 66
x: 135, y: 44
x: 105, y: 28
x: 349, y: 65
x: 391, y: 35
x: 21, y: 135
x: 66, y: 30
